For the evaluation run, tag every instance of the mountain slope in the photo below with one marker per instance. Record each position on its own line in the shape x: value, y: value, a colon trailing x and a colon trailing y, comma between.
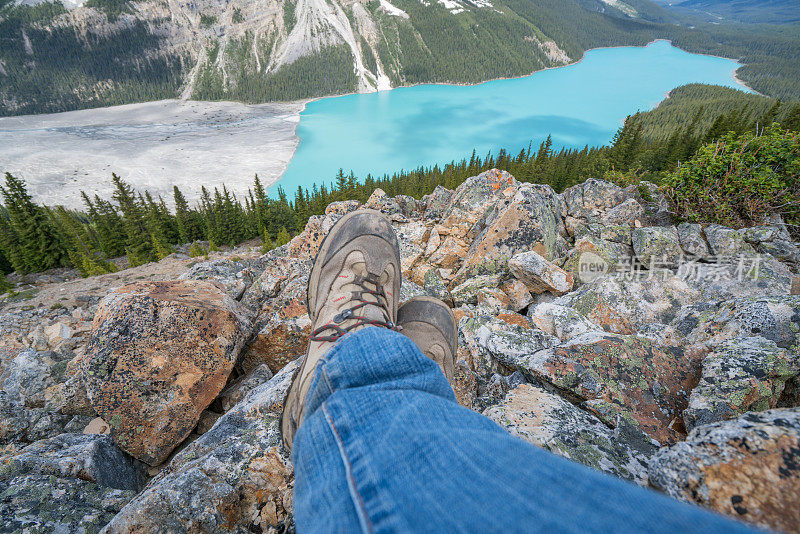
x: 750, y: 11
x: 108, y: 52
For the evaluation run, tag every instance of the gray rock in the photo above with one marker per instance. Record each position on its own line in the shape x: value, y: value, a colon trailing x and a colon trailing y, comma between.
x: 409, y: 206
x: 628, y: 213
x: 236, y: 391
x: 618, y: 233
x: 437, y: 202
x: 592, y: 197
x: 726, y: 241
x: 89, y: 457
x: 494, y: 341
x: 748, y: 468
x: 741, y: 375
x: 233, y: 276
x: 29, y: 375
x: 552, y: 423
x: 467, y: 292
x: 560, y: 321
x: 21, y: 425
x: 781, y: 249
x: 44, y: 503
x: 539, y: 274
x: 235, y: 477
x: 656, y: 246
x: 692, y: 240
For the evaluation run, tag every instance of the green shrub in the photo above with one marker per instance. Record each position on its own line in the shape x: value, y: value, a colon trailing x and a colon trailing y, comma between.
x: 197, y: 250
x: 741, y: 180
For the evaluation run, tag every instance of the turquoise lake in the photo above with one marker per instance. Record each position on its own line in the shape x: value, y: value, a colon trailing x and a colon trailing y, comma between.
x: 581, y: 104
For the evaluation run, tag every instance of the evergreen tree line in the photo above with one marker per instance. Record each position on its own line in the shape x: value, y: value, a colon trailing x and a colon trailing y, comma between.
x: 36, y: 238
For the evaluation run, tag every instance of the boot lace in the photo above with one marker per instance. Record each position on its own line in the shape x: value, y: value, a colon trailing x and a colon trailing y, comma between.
x: 381, y: 301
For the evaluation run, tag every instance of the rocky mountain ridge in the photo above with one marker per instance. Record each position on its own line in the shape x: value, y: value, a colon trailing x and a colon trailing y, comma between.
x: 590, y: 324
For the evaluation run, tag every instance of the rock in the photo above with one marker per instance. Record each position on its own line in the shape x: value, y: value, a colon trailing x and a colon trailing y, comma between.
x: 44, y: 503
x: 774, y: 318
x: 409, y: 206
x: 795, y: 290
x: 550, y: 422
x: 467, y: 292
x: 430, y: 280
x: 234, y: 277
x: 97, y: 426
x: 618, y: 233
x: 540, y: 275
x: 781, y: 249
x: 282, y: 339
x: 437, y: 202
x: 563, y: 322
x: 21, y: 425
x: 518, y: 294
x: 57, y: 333
x: 492, y: 340
x: 623, y: 305
x: 69, y: 397
x: 748, y: 468
x: 380, y: 201
x: 342, y: 207
x: 656, y: 247
x: 629, y: 213
x: 726, y: 241
x: 160, y: 352
x: 235, y: 477
x: 243, y: 385
x: 279, y: 272
x: 93, y: 458
x: 591, y: 258
x: 592, y: 198
x: 528, y: 220
x: 28, y: 376
x: 494, y: 300
x: 692, y: 240
x: 465, y: 384
x: 620, y: 377
x: 738, y: 276
x: 741, y: 375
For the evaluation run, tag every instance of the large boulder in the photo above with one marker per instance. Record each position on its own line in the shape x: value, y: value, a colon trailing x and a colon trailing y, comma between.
x: 748, y: 468
x: 552, y: 423
x: 89, y: 457
x: 592, y: 198
x: 234, y: 478
x: 234, y: 276
x: 657, y: 247
x: 528, y: 219
x: 615, y: 377
x: 68, y: 483
x: 741, y: 375
x: 563, y: 322
x: 539, y: 274
x: 159, y: 354
x: 624, y: 305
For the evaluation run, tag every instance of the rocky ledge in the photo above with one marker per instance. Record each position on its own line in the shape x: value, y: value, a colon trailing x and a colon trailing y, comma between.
x: 590, y: 324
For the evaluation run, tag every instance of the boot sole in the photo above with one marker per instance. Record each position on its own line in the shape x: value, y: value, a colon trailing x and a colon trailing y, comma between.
x: 452, y: 335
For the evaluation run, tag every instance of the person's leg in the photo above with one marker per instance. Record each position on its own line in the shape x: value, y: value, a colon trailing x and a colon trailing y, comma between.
x: 385, y: 447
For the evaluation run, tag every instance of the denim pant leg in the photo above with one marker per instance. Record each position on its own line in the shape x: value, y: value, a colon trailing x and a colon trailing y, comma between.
x: 385, y: 447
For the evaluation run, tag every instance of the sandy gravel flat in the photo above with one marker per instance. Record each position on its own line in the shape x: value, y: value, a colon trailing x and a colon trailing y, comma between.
x: 153, y: 146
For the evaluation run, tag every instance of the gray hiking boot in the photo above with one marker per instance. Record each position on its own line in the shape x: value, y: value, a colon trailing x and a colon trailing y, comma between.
x: 430, y: 324
x: 354, y: 283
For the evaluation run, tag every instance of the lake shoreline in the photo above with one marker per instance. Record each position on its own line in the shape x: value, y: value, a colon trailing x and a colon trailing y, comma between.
x: 305, y: 102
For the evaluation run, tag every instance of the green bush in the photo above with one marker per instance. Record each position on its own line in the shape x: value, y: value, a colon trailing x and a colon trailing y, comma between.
x: 741, y: 180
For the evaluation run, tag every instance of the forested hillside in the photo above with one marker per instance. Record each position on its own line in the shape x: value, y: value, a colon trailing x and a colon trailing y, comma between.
x: 113, y: 51
x: 747, y: 11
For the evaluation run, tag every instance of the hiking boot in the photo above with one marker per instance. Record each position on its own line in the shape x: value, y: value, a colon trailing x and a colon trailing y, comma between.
x: 354, y: 283
x: 430, y: 324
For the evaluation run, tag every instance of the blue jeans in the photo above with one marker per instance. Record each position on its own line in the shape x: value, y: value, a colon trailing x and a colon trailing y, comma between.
x: 386, y: 448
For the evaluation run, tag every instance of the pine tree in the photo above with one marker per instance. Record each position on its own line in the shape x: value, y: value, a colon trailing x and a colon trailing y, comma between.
x: 138, y: 242
x: 283, y: 237
x: 267, y: 243
x: 41, y: 247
